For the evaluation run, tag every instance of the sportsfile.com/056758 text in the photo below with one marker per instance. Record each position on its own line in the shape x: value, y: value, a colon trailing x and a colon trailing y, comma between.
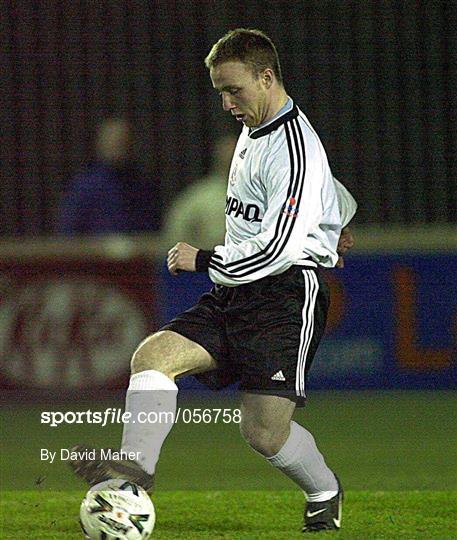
x: 113, y: 415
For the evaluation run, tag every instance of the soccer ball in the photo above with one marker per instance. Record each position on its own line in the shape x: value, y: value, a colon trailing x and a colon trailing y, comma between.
x: 117, y: 509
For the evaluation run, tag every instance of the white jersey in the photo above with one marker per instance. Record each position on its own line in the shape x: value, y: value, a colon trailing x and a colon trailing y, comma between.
x: 282, y: 204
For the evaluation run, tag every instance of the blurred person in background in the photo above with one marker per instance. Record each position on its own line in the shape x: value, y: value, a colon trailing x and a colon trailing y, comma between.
x: 110, y: 195
x: 197, y: 215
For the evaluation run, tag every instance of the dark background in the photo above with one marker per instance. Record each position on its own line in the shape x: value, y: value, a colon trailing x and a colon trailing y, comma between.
x: 376, y: 78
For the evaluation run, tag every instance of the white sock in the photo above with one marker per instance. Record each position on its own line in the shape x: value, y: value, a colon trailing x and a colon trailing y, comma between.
x: 301, y: 461
x: 151, y: 395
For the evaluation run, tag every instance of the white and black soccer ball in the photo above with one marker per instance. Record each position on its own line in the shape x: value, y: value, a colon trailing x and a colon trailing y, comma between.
x: 117, y: 510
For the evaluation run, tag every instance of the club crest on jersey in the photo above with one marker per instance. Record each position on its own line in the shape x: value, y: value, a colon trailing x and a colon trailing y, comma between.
x: 232, y: 177
x: 290, y: 208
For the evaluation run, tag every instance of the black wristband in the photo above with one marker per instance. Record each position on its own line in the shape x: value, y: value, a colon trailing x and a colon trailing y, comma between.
x: 203, y: 258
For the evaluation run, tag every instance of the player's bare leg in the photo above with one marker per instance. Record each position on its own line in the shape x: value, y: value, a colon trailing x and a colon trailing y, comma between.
x: 171, y: 354
x: 151, y: 402
x: 265, y: 421
x: 267, y: 426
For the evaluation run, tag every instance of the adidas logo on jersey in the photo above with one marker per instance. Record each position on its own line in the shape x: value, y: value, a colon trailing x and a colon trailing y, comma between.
x: 242, y: 153
x: 279, y: 376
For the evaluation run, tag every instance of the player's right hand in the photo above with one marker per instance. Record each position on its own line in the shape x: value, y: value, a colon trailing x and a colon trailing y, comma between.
x: 182, y: 256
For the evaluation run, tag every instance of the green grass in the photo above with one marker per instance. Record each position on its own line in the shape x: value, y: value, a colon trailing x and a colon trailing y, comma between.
x: 395, y: 453
x: 244, y: 515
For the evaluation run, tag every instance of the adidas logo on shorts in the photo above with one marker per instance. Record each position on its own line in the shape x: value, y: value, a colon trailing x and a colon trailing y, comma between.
x: 279, y: 376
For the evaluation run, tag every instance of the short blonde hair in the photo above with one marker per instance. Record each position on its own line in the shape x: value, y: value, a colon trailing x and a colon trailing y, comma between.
x: 249, y: 46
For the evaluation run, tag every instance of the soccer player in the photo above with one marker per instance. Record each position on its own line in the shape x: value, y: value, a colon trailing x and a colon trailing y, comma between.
x: 263, y: 320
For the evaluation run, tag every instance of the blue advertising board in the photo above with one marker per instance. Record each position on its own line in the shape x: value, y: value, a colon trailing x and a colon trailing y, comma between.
x: 392, y: 323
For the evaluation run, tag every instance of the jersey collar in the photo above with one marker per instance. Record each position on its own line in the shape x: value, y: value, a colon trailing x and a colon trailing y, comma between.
x: 260, y: 132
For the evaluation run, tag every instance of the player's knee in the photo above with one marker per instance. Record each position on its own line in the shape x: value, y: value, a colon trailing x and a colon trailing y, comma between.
x: 264, y: 439
x: 150, y: 355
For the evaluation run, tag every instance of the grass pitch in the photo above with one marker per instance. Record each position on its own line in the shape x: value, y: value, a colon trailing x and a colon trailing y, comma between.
x: 245, y: 515
x: 395, y: 453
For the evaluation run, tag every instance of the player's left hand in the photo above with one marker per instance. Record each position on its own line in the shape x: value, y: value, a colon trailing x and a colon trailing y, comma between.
x: 182, y: 257
x: 345, y: 243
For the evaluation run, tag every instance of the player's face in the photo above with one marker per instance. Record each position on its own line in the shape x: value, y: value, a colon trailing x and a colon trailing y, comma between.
x: 243, y: 95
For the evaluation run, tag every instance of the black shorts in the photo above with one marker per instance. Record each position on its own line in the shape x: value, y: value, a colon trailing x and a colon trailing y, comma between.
x: 263, y: 334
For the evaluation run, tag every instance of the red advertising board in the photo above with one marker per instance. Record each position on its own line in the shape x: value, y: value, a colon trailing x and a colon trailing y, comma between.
x: 70, y: 326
